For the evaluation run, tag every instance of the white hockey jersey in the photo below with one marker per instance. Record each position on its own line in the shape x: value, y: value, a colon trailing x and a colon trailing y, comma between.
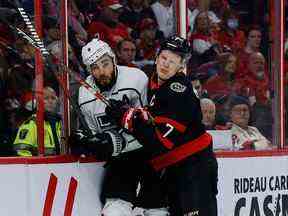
x: 131, y: 82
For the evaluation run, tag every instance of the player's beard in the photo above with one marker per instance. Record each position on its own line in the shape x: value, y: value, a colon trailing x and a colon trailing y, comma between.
x: 107, y: 83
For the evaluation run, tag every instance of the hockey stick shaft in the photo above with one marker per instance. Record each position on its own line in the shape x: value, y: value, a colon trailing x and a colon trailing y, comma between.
x: 40, y: 45
x: 46, y: 56
x: 66, y: 93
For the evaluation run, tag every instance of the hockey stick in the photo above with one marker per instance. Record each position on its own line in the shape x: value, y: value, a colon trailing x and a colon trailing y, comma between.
x: 66, y: 93
x: 46, y: 56
x: 38, y: 43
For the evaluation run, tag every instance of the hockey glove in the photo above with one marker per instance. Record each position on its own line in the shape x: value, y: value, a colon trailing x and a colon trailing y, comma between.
x: 134, y: 116
x: 102, y: 145
x: 117, y: 109
x: 125, y: 116
x: 75, y: 141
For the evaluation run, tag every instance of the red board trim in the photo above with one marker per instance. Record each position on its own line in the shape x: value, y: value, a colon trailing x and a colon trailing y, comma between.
x: 72, y: 159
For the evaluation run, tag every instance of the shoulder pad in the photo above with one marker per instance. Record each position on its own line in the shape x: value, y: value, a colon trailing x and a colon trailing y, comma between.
x: 177, y: 87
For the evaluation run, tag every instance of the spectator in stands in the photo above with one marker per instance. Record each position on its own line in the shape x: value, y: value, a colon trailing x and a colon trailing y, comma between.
x: 253, y: 42
x: 147, y: 44
x: 204, y: 46
x: 197, y: 85
x: 76, y: 22
x: 11, y: 118
x: 208, y: 109
x: 202, y: 6
x: 192, y: 4
x: 262, y: 119
x: 25, y: 143
x: 230, y: 35
x: 134, y: 12
x: 222, y: 82
x: 6, y: 36
x: 51, y: 7
x: 25, y: 50
x: 210, y: 116
x: 55, y: 48
x: 218, y: 7
x: 107, y: 25
x: 148, y: 41
x: 20, y: 79
x: 245, y: 137
x: 246, y: 10
x: 51, y: 30
x: 125, y: 52
x: 163, y: 12
x: 254, y: 37
x: 255, y: 84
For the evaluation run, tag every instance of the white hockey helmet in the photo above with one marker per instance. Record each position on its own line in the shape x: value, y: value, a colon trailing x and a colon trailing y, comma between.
x: 94, y: 50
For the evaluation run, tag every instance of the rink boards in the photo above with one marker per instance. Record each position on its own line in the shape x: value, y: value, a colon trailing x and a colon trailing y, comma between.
x: 66, y: 186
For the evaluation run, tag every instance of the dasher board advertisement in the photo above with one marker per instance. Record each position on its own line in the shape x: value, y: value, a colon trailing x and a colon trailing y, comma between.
x: 248, y: 186
x: 253, y: 186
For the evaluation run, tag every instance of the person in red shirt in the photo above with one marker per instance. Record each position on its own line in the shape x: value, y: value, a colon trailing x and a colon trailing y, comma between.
x: 204, y: 45
x: 223, y: 82
x: 230, y: 35
x: 221, y: 86
x: 147, y: 43
x: 253, y: 42
x: 107, y: 27
x: 255, y: 84
x: 219, y: 6
x: 125, y: 52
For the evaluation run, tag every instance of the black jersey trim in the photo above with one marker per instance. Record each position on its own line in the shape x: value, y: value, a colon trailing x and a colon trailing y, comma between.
x: 115, y: 93
x: 87, y: 102
x: 132, y: 89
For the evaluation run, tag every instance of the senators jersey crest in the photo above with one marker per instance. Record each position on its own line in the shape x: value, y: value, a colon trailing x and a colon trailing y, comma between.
x: 177, y: 87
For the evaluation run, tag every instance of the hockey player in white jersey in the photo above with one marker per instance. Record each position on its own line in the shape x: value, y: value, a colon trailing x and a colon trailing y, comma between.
x: 108, y: 142
x: 114, y: 82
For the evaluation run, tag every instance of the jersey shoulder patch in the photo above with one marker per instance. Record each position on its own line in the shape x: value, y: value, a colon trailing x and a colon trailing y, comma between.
x: 177, y: 87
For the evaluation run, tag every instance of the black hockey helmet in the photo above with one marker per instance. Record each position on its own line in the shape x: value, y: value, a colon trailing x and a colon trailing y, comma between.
x: 178, y: 45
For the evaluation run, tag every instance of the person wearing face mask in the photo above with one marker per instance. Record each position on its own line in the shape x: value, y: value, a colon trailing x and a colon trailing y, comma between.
x: 230, y: 35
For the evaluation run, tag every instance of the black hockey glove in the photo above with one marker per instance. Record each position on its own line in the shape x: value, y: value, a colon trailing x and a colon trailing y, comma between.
x: 102, y: 145
x: 117, y: 109
x: 126, y: 116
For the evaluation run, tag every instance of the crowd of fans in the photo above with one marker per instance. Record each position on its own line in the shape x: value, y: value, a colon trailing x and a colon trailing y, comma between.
x: 228, y: 67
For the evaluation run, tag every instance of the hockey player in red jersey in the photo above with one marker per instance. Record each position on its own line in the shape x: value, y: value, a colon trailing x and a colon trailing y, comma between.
x: 175, y: 142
